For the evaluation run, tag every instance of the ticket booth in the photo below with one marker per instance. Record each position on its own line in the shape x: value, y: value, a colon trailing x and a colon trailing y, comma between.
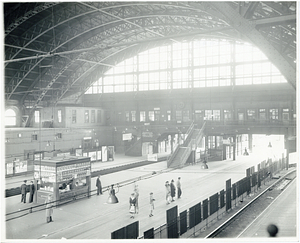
x: 65, y: 178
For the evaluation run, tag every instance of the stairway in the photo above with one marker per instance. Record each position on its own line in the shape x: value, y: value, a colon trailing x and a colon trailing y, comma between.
x: 182, y: 152
x: 134, y: 149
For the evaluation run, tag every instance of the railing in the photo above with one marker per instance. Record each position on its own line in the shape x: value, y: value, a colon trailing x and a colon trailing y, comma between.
x: 187, y: 145
x: 256, y: 123
x: 188, y: 149
x: 132, y: 146
x: 189, y: 132
x: 219, y: 204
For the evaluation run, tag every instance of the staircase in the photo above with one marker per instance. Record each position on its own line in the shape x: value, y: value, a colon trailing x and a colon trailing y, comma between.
x: 134, y: 149
x: 182, y: 152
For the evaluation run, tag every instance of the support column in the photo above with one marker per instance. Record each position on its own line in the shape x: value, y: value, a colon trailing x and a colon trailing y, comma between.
x: 250, y: 139
x: 172, y: 147
x: 234, y: 146
x: 35, y: 191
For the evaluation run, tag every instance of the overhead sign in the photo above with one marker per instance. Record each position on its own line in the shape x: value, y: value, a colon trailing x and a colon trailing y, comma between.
x: 127, y: 136
x: 147, y: 134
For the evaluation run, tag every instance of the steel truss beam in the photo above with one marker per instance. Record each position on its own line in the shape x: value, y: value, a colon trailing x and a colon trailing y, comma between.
x: 247, y: 29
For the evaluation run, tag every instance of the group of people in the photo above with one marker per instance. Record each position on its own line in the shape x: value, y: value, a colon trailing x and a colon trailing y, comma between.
x: 171, y: 190
x: 24, y: 191
x: 134, y: 202
x: 170, y: 195
x: 49, y: 202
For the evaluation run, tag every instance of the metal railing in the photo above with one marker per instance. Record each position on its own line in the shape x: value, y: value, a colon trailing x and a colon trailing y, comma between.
x: 215, y: 207
x: 188, y: 149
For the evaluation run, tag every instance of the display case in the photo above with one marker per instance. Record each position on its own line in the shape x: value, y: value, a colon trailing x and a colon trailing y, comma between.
x: 66, y: 178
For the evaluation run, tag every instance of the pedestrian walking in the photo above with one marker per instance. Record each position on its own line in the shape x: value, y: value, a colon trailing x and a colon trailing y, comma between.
x: 179, y: 191
x: 23, y: 191
x: 98, y: 185
x: 132, y: 202
x: 136, y: 194
x: 31, y: 191
x: 168, y: 192
x: 151, y: 204
x: 49, y: 209
x: 173, y: 190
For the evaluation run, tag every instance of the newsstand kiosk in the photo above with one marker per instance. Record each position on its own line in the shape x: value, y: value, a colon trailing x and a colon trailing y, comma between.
x: 65, y: 178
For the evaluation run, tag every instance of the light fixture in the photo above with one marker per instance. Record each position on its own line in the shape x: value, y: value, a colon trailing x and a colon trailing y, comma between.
x: 19, y: 135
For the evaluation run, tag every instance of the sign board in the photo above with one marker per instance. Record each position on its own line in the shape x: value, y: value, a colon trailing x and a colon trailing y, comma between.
x: 147, y: 134
x: 93, y: 155
x: 226, y: 141
x: 63, y: 154
x: 78, y: 152
x: 98, y: 155
x: 9, y: 168
x: 152, y: 157
x: 104, y: 153
x: 127, y: 136
x: 21, y: 166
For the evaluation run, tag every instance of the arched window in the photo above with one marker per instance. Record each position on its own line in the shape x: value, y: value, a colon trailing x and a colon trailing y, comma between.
x: 195, y: 64
x: 10, y: 118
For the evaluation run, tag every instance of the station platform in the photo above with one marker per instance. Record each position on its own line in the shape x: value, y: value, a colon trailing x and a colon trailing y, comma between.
x: 94, y: 218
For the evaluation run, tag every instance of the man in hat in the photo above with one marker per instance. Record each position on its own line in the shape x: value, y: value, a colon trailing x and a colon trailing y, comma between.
x: 98, y: 185
x: 23, y: 191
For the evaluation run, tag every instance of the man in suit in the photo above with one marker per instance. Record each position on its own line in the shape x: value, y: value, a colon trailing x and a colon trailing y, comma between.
x: 23, y: 191
x: 31, y: 191
x: 98, y: 185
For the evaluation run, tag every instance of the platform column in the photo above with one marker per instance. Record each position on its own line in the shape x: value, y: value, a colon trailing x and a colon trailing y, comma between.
x: 172, y: 147
x: 234, y: 146
x: 250, y: 142
x: 35, y: 191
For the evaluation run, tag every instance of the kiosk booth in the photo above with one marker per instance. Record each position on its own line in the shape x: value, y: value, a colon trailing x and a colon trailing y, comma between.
x: 65, y: 178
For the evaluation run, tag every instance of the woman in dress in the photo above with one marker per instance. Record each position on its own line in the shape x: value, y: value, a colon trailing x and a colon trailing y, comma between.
x: 132, y: 205
x: 168, y: 192
x: 112, y: 195
x: 136, y: 194
x: 49, y: 209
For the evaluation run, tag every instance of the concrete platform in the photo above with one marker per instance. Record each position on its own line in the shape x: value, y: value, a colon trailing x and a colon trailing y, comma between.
x: 93, y: 218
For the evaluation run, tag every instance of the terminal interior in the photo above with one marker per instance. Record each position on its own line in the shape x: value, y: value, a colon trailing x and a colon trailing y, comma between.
x: 140, y: 93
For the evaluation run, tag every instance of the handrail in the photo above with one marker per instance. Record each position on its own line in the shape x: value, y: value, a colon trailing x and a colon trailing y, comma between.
x: 132, y: 145
x: 189, y: 147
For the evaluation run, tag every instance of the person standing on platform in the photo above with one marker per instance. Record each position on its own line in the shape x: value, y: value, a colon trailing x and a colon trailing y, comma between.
x: 173, y: 190
x: 179, y: 192
x: 136, y: 194
x: 132, y: 204
x: 23, y: 191
x: 112, y: 195
x: 98, y: 185
x: 31, y: 192
x: 151, y: 204
x: 49, y: 209
x: 168, y: 192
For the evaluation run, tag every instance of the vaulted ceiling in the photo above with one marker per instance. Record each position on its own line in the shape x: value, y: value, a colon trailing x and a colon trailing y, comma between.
x: 54, y: 50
